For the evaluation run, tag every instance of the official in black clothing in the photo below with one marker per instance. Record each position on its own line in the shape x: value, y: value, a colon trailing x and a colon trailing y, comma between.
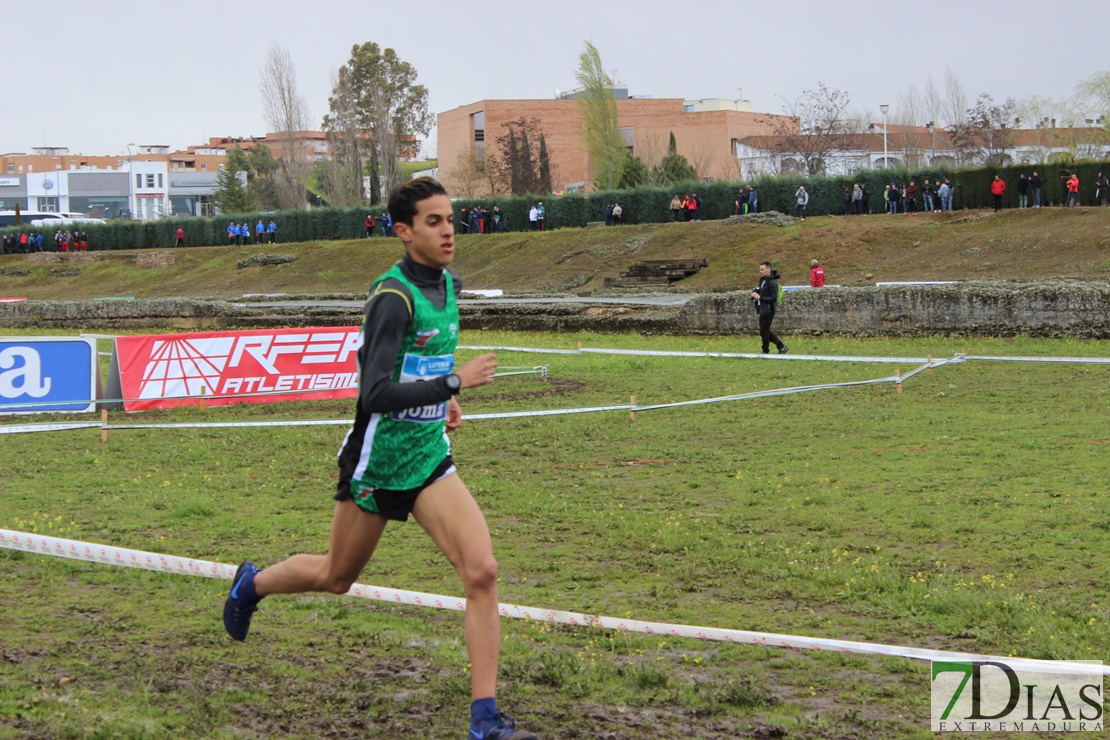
x: 765, y: 296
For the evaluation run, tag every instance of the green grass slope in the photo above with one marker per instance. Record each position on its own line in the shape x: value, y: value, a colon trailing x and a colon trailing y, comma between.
x: 1014, y: 245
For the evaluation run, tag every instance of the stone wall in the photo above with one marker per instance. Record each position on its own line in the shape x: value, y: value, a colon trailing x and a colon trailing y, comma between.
x: 1061, y: 308
x: 1078, y: 309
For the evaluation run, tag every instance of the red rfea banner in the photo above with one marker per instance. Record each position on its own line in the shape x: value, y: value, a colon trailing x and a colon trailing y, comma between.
x: 257, y: 366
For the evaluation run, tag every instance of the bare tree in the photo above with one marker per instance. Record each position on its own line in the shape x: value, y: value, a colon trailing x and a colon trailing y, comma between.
x: 932, y: 101
x: 1079, y: 133
x: 468, y: 175
x: 702, y: 158
x: 287, y: 114
x: 955, y: 100
x: 908, y: 113
x: 815, y: 128
x: 1035, y: 114
x: 986, y: 132
x: 1096, y: 89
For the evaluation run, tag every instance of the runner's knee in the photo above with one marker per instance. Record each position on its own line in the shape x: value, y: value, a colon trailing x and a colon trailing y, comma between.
x: 481, y: 574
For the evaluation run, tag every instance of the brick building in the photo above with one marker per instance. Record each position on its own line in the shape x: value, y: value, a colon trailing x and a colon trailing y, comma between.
x: 707, y: 133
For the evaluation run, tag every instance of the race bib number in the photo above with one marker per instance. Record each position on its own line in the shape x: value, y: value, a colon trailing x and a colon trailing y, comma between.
x: 416, y: 368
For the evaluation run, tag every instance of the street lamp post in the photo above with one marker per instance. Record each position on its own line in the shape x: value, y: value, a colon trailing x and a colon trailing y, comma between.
x: 886, y: 157
x: 131, y: 182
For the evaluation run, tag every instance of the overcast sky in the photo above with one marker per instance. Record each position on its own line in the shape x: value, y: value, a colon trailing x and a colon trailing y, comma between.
x: 94, y: 76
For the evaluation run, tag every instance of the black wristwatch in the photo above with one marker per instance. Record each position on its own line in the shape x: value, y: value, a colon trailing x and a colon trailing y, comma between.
x: 454, y: 384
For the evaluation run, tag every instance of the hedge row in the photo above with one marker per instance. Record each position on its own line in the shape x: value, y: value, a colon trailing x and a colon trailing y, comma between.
x: 643, y: 205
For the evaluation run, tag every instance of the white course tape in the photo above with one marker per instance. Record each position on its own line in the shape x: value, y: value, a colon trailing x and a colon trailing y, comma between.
x: 513, y: 414
x: 481, y: 348
x: 109, y: 555
x: 61, y: 426
x: 1080, y: 360
x: 751, y: 355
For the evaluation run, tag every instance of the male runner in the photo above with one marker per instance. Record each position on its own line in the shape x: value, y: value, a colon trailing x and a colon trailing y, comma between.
x: 396, y: 459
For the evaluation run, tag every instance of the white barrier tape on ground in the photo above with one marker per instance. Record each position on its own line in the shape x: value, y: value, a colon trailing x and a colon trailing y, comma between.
x: 765, y: 394
x: 509, y: 414
x: 231, y: 424
x: 49, y: 427
x: 541, y: 370
x: 1079, y: 360
x: 109, y: 555
x: 534, y: 350
x: 750, y: 355
x: 550, y: 412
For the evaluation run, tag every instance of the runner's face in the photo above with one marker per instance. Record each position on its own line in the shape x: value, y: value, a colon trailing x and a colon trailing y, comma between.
x: 431, y: 238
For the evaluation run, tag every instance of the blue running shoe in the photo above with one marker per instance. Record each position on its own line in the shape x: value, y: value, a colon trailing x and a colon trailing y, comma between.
x: 241, y: 602
x: 500, y: 727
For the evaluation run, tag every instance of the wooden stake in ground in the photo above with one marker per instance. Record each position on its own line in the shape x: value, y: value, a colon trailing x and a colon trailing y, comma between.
x: 104, y: 422
x: 898, y: 379
x: 203, y: 400
x: 632, y: 413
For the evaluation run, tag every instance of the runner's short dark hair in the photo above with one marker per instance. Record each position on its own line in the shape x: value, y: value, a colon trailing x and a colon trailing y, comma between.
x: 403, y: 200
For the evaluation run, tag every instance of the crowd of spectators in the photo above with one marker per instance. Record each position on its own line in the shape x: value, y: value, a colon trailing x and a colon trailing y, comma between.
x: 240, y: 234
x: 383, y: 222
x: 482, y: 220
x: 36, y: 241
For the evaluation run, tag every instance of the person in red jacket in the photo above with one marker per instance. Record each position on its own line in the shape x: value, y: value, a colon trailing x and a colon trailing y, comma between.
x: 816, y: 275
x: 180, y: 237
x: 1073, y: 191
x: 997, y: 189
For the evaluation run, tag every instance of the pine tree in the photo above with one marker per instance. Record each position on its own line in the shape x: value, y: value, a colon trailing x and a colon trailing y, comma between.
x: 232, y: 194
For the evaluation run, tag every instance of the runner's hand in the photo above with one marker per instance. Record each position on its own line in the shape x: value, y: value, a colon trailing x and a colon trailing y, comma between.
x: 454, y: 415
x: 478, y: 371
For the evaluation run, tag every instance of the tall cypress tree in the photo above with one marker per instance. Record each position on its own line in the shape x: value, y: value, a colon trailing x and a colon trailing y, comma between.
x: 545, y: 168
x: 527, y: 166
x: 375, y: 177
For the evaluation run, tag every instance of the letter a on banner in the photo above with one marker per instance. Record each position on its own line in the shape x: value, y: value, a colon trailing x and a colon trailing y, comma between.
x: 47, y: 374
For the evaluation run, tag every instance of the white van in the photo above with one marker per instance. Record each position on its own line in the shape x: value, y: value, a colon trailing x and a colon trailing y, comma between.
x: 7, y: 218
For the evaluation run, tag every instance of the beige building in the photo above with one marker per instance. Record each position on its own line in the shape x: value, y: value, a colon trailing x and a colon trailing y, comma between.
x: 707, y: 133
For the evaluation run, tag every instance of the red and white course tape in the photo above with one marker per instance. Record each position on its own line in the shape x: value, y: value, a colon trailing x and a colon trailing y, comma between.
x: 110, y: 555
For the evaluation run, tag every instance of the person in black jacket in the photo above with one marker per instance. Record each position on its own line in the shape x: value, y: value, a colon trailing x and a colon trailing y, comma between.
x: 1023, y: 191
x: 1035, y: 182
x: 765, y: 296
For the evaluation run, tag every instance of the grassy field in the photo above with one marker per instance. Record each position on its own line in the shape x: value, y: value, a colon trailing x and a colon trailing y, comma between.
x: 1015, y: 245
x: 968, y: 513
